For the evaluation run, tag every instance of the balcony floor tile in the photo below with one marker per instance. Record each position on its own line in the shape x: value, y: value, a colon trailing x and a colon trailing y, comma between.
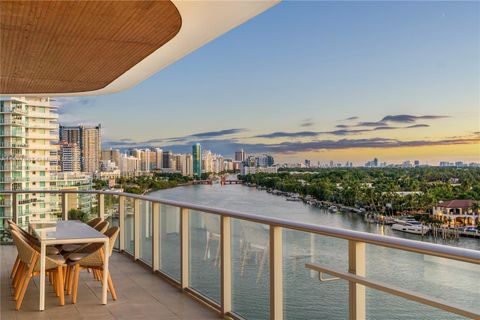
x: 141, y: 295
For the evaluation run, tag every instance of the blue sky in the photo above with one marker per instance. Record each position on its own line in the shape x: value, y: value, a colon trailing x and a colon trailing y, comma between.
x: 302, y: 68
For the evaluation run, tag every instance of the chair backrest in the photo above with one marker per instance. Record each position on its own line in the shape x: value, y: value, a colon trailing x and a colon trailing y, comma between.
x: 25, y: 251
x: 102, y: 226
x: 112, y: 233
x: 28, y: 237
x: 254, y: 233
x: 94, y: 222
x: 212, y: 223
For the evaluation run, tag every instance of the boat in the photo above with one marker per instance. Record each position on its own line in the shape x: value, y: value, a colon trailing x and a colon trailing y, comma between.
x: 410, y: 226
x: 293, y: 199
x: 333, y: 209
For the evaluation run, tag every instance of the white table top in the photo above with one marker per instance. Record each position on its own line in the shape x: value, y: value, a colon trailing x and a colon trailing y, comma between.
x: 65, y: 230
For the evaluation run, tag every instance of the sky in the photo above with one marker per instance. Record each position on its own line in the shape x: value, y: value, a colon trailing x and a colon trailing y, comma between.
x: 341, y: 81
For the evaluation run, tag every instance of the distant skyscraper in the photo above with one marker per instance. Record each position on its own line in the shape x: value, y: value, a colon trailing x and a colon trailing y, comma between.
x: 197, y: 160
x: 69, y: 157
x: 167, y: 160
x: 240, y: 155
x: 89, y: 140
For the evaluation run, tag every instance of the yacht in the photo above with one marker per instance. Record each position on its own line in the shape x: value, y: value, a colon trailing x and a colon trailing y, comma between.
x: 410, y: 226
x: 333, y: 208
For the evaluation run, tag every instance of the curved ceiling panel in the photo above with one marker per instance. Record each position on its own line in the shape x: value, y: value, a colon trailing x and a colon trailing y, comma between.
x: 78, y: 46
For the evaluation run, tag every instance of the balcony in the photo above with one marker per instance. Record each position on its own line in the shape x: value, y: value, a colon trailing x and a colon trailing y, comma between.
x: 142, y: 295
x: 255, y: 267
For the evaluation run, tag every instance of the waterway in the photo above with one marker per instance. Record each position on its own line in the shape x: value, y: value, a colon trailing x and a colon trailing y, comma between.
x: 305, y: 297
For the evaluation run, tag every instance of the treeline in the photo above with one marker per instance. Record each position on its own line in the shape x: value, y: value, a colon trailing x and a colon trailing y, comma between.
x: 377, y: 188
x: 142, y: 184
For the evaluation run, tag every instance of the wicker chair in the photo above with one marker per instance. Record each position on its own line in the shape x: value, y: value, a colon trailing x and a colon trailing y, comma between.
x: 32, y: 241
x: 90, y: 257
x: 94, y: 222
x: 102, y: 226
x: 29, y: 266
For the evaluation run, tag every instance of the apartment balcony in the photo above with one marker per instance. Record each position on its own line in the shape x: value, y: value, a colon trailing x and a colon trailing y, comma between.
x: 13, y: 145
x: 177, y: 260
x: 13, y: 123
x: 42, y: 125
x: 42, y: 136
x: 36, y: 114
x: 14, y: 109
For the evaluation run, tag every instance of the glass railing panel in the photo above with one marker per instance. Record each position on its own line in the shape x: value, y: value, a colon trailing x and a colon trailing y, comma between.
x: 305, y: 296
x: 112, y: 213
x: 205, y: 254
x: 146, y: 229
x: 381, y: 305
x: 169, y: 238
x: 129, y: 244
x: 250, y: 274
x: 452, y: 281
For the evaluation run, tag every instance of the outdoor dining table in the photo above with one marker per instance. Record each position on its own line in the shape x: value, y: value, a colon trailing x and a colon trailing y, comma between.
x: 67, y: 232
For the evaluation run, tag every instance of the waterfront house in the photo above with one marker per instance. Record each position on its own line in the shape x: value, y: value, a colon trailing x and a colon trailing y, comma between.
x: 457, y: 212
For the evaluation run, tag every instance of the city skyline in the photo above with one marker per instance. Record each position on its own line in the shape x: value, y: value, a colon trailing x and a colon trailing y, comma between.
x: 426, y: 109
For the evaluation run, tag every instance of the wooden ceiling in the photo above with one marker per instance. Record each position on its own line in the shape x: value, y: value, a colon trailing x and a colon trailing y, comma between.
x: 78, y: 46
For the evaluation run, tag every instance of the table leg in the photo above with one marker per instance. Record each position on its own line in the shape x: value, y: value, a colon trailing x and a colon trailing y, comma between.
x: 43, y: 249
x: 105, y: 272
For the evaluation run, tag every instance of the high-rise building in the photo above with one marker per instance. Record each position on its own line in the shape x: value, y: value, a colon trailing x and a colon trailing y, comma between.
x: 197, y: 160
x: 28, y: 127
x: 189, y: 165
x: 89, y: 140
x: 69, y: 157
x: 167, y: 162
x: 158, y: 158
x: 240, y: 155
x: 113, y: 155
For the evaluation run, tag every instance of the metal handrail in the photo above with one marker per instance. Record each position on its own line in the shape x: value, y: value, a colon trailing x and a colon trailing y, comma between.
x: 460, y: 254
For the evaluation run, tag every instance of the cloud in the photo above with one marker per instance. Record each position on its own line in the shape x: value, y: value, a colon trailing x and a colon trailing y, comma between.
x: 350, y: 118
x: 307, y: 123
x: 341, y: 126
x: 406, y: 118
x: 300, y: 134
x: 211, y: 134
x: 371, y: 124
x: 125, y: 143
x: 421, y: 125
x: 69, y: 105
x: 229, y: 146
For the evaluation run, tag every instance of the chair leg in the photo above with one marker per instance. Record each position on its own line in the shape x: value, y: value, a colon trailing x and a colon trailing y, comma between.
x: 260, y: 267
x: 28, y: 276
x: 217, y: 256
x: 68, y: 281
x: 22, y: 274
x: 18, y: 275
x: 207, y: 247
x: 244, y: 260
x: 76, y: 273
x: 60, y: 285
x: 110, y: 286
x: 15, y: 267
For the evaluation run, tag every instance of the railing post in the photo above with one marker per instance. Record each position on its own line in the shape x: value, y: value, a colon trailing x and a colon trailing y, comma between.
x: 226, y: 263
x: 136, y: 226
x: 101, y: 206
x: 184, y: 255
x: 64, y: 206
x: 356, y: 265
x: 156, y: 246
x: 121, y: 221
x: 276, y: 273
x: 14, y: 208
